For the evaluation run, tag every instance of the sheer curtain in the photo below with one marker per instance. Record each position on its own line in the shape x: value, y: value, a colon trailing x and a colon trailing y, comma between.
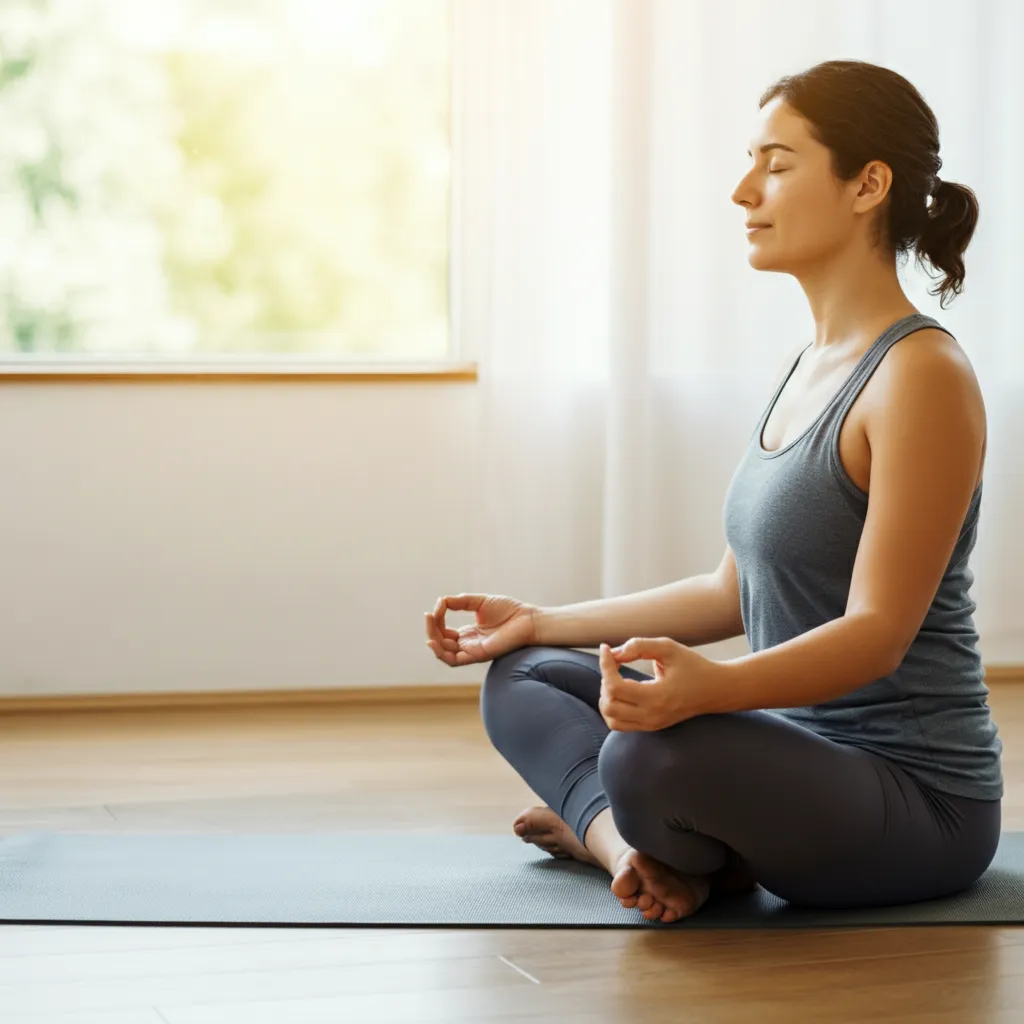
x: 626, y: 347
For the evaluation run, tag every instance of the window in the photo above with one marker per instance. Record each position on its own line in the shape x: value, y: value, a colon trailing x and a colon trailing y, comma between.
x: 267, y: 179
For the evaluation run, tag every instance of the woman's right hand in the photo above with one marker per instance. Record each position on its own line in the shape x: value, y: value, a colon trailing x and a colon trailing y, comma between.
x: 502, y: 624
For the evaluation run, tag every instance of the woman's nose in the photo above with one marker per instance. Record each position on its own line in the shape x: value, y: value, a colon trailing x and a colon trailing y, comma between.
x: 741, y: 193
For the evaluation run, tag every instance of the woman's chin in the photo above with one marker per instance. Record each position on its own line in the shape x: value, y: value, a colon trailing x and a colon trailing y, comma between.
x: 759, y: 260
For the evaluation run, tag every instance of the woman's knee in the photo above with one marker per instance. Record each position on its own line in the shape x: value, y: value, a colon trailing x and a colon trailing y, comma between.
x: 506, y: 666
x: 632, y: 764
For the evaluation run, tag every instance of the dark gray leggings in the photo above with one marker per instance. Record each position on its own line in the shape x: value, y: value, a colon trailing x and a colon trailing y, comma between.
x: 816, y: 822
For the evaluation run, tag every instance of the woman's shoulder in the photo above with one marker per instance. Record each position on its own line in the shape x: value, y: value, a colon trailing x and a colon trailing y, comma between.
x: 932, y: 361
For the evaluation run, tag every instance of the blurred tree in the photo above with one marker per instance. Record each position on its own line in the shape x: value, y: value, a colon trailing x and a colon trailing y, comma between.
x: 217, y: 175
x: 88, y: 146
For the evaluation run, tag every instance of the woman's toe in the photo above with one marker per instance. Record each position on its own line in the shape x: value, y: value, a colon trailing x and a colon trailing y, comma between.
x: 654, y: 912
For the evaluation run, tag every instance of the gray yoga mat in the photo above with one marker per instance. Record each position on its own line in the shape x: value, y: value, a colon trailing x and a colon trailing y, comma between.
x: 399, y: 880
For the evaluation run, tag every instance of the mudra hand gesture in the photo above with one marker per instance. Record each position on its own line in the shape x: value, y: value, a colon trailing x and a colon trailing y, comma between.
x: 684, y: 685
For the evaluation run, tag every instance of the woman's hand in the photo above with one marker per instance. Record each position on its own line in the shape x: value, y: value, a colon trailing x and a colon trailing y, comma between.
x: 502, y: 624
x: 685, y: 685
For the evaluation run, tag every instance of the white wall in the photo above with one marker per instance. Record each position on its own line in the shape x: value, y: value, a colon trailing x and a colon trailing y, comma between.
x: 165, y: 537
x: 172, y: 537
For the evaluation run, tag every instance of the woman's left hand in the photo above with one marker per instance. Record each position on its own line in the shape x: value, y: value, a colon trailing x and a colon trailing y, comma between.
x: 685, y: 684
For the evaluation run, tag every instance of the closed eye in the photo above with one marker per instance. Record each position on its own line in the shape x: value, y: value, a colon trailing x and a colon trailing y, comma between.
x: 779, y: 170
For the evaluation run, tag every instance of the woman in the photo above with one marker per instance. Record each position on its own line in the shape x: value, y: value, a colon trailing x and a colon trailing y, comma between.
x: 851, y: 759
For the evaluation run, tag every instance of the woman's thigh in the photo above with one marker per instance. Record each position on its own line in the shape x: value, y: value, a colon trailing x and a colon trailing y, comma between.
x: 573, y: 671
x: 819, y: 822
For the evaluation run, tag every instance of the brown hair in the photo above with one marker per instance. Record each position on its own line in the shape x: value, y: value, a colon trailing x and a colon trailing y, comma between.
x: 864, y: 112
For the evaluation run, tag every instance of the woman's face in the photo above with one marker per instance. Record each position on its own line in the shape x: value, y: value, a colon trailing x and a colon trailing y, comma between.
x: 811, y: 214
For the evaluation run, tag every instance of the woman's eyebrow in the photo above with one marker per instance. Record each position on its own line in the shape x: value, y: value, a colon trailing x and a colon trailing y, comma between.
x: 773, y: 145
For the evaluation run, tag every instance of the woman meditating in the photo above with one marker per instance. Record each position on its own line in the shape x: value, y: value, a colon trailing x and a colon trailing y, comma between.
x: 851, y: 759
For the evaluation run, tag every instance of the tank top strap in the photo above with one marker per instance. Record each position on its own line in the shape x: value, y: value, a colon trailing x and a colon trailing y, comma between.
x: 847, y: 394
x: 755, y: 436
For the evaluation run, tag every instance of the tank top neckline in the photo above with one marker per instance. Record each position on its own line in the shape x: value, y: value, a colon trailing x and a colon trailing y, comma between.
x: 868, y: 352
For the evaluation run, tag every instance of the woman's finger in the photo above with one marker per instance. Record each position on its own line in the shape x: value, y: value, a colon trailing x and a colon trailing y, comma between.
x: 434, y: 633
x: 440, y: 609
x: 440, y: 654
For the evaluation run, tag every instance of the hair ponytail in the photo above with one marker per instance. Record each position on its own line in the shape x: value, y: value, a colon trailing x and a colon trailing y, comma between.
x: 952, y: 218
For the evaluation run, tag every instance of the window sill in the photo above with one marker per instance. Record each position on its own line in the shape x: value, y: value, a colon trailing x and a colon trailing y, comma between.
x: 36, y: 370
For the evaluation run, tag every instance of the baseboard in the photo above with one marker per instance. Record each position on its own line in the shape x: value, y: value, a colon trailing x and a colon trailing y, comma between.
x: 241, y: 698
x: 1004, y: 674
x: 994, y: 675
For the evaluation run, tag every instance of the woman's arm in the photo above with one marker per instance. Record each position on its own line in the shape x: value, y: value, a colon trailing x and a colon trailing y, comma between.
x: 693, y: 611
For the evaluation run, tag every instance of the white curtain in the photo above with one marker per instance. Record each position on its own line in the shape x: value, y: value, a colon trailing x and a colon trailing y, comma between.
x: 626, y: 347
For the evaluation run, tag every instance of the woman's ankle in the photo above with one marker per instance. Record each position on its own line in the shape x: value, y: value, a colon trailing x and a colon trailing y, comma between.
x: 603, y: 841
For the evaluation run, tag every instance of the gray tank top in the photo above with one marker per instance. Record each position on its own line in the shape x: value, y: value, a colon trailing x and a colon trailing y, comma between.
x: 793, y: 518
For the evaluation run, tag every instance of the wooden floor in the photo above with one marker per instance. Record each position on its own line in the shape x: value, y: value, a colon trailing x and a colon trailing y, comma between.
x: 424, y: 767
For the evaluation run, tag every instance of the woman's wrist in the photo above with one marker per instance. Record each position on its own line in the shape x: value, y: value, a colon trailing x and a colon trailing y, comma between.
x: 540, y: 618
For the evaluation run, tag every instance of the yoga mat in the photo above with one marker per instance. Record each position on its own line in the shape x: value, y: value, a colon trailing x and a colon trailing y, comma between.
x: 399, y: 880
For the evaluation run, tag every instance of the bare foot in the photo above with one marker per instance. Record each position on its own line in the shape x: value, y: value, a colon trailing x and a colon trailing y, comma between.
x: 638, y: 880
x: 657, y: 889
x: 544, y: 828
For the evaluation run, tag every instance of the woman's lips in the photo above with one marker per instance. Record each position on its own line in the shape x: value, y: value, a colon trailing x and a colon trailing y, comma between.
x: 752, y: 230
